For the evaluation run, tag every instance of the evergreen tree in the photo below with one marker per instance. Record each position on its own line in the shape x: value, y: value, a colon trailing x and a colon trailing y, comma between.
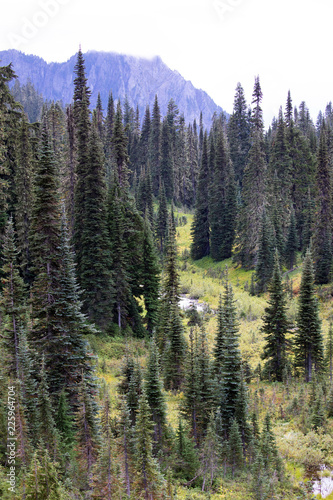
x: 200, y: 229
x: 292, y: 242
x: 190, y: 407
x: 239, y: 133
x: 12, y: 303
x: 308, y: 339
x: 166, y: 163
x: 220, y: 340
x: 64, y: 422
x: 329, y: 352
x: 221, y: 209
x: 322, y: 245
x: 236, y: 458
x: 150, y: 278
x: 210, y: 455
x: 265, y: 256
x: 46, y: 428
x: 120, y: 148
x: 175, y: 350
x: 95, y: 256
x: 155, y: 397
x: 254, y: 188
x: 162, y: 220
x: 149, y: 478
x: 275, y: 326
x: 87, y: 435
x: 155, y: 147
x: 24, y: 193
x: 231, y: 368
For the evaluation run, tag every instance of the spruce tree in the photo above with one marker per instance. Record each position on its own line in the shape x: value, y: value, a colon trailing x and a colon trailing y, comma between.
x: 166, y: 163
x: 308, y: 338
x: 47, y: 427
x: 120, y: 148
x: 276, y: 326
x: 200, y: 229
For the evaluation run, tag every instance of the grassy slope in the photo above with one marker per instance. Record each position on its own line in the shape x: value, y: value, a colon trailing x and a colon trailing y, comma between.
x: 204, y: 280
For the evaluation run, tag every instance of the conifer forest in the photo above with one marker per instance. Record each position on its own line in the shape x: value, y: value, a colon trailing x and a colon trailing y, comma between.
x: 166, y: 294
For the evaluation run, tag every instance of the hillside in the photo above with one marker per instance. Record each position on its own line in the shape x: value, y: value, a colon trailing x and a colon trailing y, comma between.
x: 138, y: 79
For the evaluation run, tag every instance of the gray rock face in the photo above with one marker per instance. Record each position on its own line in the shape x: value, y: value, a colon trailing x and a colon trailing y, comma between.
x: 139, y: 79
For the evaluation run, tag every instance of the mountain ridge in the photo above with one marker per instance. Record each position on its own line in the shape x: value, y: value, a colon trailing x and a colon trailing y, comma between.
x: 137, y: 78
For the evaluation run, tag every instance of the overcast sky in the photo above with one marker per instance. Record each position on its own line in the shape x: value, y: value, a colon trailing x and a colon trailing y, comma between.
x: 213, y: 43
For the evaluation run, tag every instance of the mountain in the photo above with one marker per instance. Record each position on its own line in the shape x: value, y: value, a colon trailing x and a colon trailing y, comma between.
x: 140, y: 79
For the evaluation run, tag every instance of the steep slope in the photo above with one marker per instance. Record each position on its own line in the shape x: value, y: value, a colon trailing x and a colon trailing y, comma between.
x: 139, y: 79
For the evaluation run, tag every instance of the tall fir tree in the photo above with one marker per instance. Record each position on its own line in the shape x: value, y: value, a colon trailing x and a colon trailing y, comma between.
x: 265, y: 256
x: 276, y: 326
x: 322, y: 242
x: 95, y: 252
x: 200, y: 230
x: 149, y: 479
x: 308, y: 339
x: 254, y: 196
x: 12, y: 304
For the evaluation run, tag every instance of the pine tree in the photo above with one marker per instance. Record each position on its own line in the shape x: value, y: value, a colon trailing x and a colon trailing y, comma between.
x: 275, y: 326
x: 200, y: 229
x: 308, y: 339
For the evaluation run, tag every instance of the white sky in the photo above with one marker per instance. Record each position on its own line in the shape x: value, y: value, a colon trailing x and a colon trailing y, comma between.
x: 213, y: 43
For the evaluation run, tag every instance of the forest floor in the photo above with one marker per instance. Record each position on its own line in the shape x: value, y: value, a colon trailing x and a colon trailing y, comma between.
x: 304, y: 451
